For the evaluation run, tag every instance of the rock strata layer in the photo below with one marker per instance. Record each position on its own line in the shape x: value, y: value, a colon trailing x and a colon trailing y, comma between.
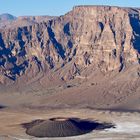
x: 102, y: 37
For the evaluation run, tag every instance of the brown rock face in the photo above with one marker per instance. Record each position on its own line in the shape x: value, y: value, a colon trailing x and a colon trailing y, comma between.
x: 106, y: 38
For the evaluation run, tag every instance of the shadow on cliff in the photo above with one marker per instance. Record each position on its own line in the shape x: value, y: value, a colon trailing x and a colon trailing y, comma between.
x: 19, y: 38
x: 135, y: 24
x: 56, y: 44
x: 3, y: 49
x: 10, y: 60
x: 66, y: 29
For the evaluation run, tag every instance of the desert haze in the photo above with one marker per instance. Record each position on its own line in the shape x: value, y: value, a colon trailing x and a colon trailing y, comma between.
x: 71, y: 71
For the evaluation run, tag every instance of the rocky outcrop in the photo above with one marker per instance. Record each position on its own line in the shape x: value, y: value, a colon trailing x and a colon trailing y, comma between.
x: 106, y: 38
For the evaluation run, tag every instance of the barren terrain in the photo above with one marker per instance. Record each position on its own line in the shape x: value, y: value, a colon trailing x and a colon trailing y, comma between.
x: 84, y: 64
x: 126, y: 124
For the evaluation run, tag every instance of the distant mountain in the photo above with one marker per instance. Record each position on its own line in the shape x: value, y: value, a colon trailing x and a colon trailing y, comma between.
x: 7, y: 17
x: 88, y: 38
x: 10, y: 21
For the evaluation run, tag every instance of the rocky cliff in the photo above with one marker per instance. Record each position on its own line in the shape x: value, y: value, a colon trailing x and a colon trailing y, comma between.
x: 102, y: 37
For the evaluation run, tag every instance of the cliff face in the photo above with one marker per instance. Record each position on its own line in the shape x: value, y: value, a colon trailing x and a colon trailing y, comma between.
x: 106, y: 38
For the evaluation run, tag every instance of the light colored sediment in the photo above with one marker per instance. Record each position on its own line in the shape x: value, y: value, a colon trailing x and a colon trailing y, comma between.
x: 127, y: 124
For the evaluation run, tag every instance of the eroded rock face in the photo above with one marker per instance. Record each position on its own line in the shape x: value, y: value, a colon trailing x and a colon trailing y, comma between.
x: 106, y: 38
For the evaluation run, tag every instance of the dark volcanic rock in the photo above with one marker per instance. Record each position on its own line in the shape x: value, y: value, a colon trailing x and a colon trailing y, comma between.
x: 63, y: 127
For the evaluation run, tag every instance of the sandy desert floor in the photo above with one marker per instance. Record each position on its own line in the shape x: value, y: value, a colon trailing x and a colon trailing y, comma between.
x: 80, y: 99
x: 127, y: 124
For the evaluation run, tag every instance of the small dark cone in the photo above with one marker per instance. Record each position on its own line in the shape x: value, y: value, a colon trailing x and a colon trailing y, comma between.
x: 60, y: 127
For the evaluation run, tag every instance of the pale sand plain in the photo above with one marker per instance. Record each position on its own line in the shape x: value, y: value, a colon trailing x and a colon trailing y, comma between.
x: 127, y: 124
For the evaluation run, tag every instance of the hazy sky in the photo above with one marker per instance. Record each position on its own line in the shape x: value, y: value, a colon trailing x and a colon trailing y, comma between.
x: 55, y: 7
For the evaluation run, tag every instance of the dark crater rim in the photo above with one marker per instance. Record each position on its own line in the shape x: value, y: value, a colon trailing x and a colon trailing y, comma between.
x: 63, y: 127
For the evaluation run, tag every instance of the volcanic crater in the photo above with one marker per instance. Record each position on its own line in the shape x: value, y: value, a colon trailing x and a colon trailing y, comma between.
x: 63, y: 127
